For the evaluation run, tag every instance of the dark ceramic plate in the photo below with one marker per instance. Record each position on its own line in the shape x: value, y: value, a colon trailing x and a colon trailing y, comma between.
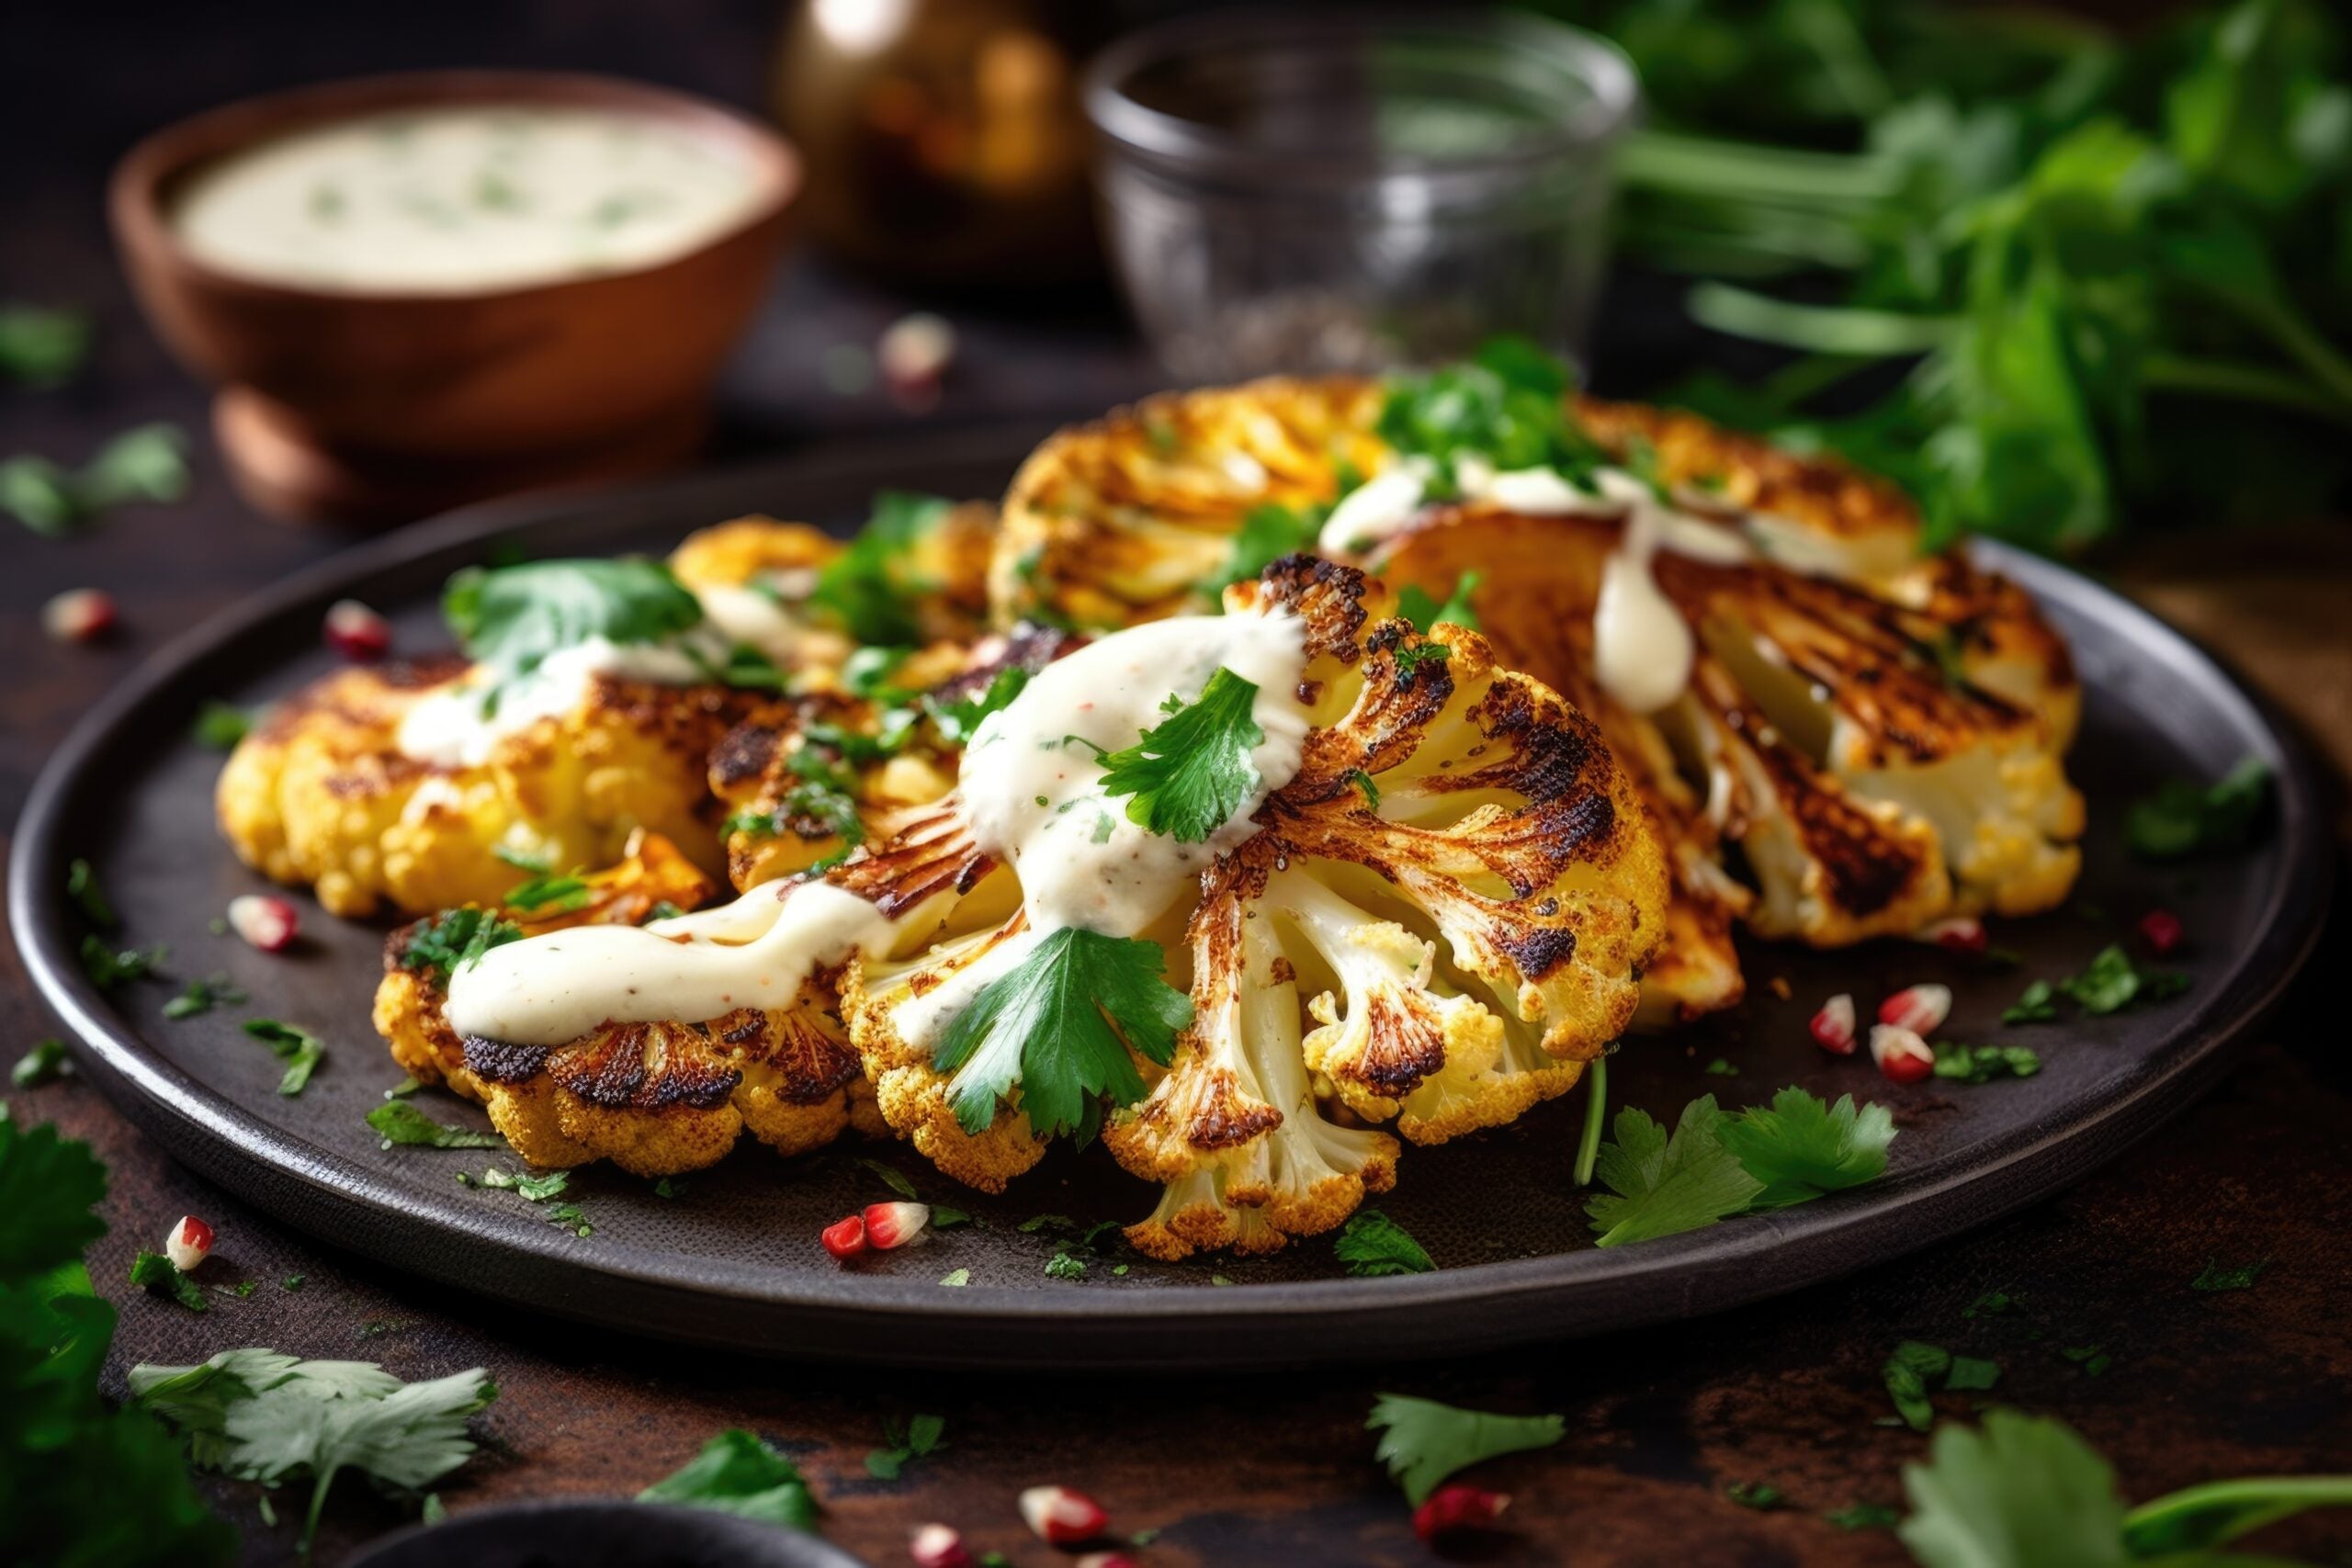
x: 601, y: 1533
x: 734, y: 1260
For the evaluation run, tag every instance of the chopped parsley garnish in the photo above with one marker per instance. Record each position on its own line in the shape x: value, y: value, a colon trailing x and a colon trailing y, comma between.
x: 1189, y: 775
x: 44, y: 1061
x: 1721, y: 1068
x: 1065, y: 1265
x: 956, y: 1278
x: 147, y: 463
x: 203, y: 996
x: 1756, y: 1495
x: 293, y: 1281
x: 1374, y: 1245
x: 300, y: 1050
x: 1422, y: 1441
x: 1864, y: 1516
x: 959, y: 720
x: 1715, y: 1165
x: 157, y: 1274
x: 531, y: 1189
x: 81, y: 886
x: 739, y: 1473
x: 2038, y: 1003
x: 1507, y: 406
x: 902, y: 1441
x: 397, y: 1122
x: 870, y: 585
x: 1267, y: 533
x: 1048, y: 1029
x: 513, y: 617
x: 2184, y: 819
x: 454, y: 939
x: 867, y: 671
x: 110, y: 967
x: 2092, y: 1358
x: 220, y: 726
x: 1410, y: 657
x: 1363, y: 780
x: 2112, y: 981
x: 553, y: 895
x: 41, y: 347
x: 1415, y: 606
x: 2241, y: 1278
x: 821, y: 804
x: 1983, y: 1064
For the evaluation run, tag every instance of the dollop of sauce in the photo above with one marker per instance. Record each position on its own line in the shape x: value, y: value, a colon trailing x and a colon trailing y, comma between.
x: 464, y: 198
x: 1032, y: 797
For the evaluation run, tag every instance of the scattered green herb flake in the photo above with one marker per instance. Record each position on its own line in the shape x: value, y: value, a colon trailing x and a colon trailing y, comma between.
x: 2184, y: 819
x: 1721, y: 1068
x: 1908, y: 1373
x: 111, y: 968
x: 41, y: 347
x: 246, y: 1288
x: 538, y: 861
x: 1423, y: 1442
x: 220, y: 726
x: 155, y: 1273
x: 2037, y: 1004
x: 1036, y: 1223
x: 1046, y: 1026
x: 1970, y: 1373
x: 203, y: 996
x: 300, y: 1050
x: 1189, y: 775
x: 44, y: 1061
x: 2092, y: 1359
x: 294, y: 1281
x: 1363, y: 780
x: 1142, y: 1537
x: 1756, y: 1495
x: 1410, y: 657
x: 433, y: 1511
x: 1219, y: 1280
x: 148, y: 463
x: 904, y: 1441
x: 2112, y: 981
x: 535, y: 1188
x: 1268, y: 533
x: 670, y: 1187
x: 568, y: 1216
x: 1119, y: 1270
x: 266, y: 1509
x: 1065, y: 1265
x: 1373, y: 1246
x: 871, y: 587
x: 959, y: 720
x: 81, y: 886
x: 1992, y: 1304
x: 956, y: 1278
x: 2214, y: 1277
x: 1983, y: 1064
x: 455, y: 938
x: 1864, y: 1516
x: 399, y: 1123
x: 943, y: 1216
x: 403, y: 1089
x: 893, y: 1178
x: 552, y: 895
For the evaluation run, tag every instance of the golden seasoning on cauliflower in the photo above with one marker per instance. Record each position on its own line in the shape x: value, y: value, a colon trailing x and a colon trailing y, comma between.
x: 1879, y: 731
x: 656, y: 1099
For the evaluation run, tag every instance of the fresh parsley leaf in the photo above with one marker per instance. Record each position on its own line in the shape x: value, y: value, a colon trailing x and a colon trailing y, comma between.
x: 44, y: 1061
x: 1507, y: 407
x: 2036, y: 1004
x: 1190, y: 775
x: 1047, y: 1027
x: 203, y: 996
x: 1864, y: 1516
x: 147, y: 463
x: 1800, y: 1149
x: 2022, y: 1491
x: 454, y: 939
x: 1410, y: 657
x: 553, y: 895
x: 154, y: 1272
x: 513, y: 617
x: 1908, y: 1373
x: 867, y: 671
x: 959, y: 720
x: 300, y: 1050
x: 1423, y: 1442
x: 111, y: 968
x: 1721, y: 1068
x: 40, y: 347
x: 1663, y: 1186
x: 1415, y: 606
x: 1983, y: 1064
x: 48, y: 1187
x: 870, y: 586
x: 1267, y: 533
x: 1363, y: 780
x: 821, y: 804
x: 737, y: 1473
x: 220, y: 726
x: 1065, y: 1265
x: 2241, y: 1278
x: 397, y: 1122
x: 1756, y: 1495
x: 81, y: 886
x: 956, y: 1278
x: 912, y: 1438
x: 532, y: 1189
x: 2112, y: 981
x: 2183, y: 819
x: 1374, y: 1245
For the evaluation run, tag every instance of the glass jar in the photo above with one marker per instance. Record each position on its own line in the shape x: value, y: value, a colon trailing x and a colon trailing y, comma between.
x: 1300, y: 192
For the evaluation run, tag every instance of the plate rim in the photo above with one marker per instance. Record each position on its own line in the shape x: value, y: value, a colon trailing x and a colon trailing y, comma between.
x: 859, y: 1317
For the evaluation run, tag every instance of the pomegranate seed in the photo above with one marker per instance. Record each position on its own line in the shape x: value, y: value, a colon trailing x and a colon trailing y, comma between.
x: 1962, y: 934
x: 78, y: 614
x: 1833, y: 1026
x: 1900, y: 1054
x: 263, y: 919
x: 1458, y: 1507
x: 913, y: 355
x: 1059, y: 1517
x: 1919, y: 1008
x: 2160, y: 929
x: 356, y: 632
x: 938, y: 1546
x: 844, y: 1238
x: 188, y: 1244
x: 894, y: 1224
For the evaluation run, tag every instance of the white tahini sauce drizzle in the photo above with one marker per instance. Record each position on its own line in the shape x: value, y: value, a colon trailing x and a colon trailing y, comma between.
x: 1032, y: 801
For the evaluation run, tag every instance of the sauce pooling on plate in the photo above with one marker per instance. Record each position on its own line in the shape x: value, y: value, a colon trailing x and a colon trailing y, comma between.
x: 465, y: 198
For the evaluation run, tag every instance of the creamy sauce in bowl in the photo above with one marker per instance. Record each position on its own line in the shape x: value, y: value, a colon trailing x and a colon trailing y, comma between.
x: 465, y: 200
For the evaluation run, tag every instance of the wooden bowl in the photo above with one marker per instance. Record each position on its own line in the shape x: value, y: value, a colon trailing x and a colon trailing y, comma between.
x: 380, y: 406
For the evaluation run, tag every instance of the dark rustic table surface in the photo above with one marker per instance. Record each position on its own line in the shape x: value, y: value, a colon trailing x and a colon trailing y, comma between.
x: 1273, y: 1467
